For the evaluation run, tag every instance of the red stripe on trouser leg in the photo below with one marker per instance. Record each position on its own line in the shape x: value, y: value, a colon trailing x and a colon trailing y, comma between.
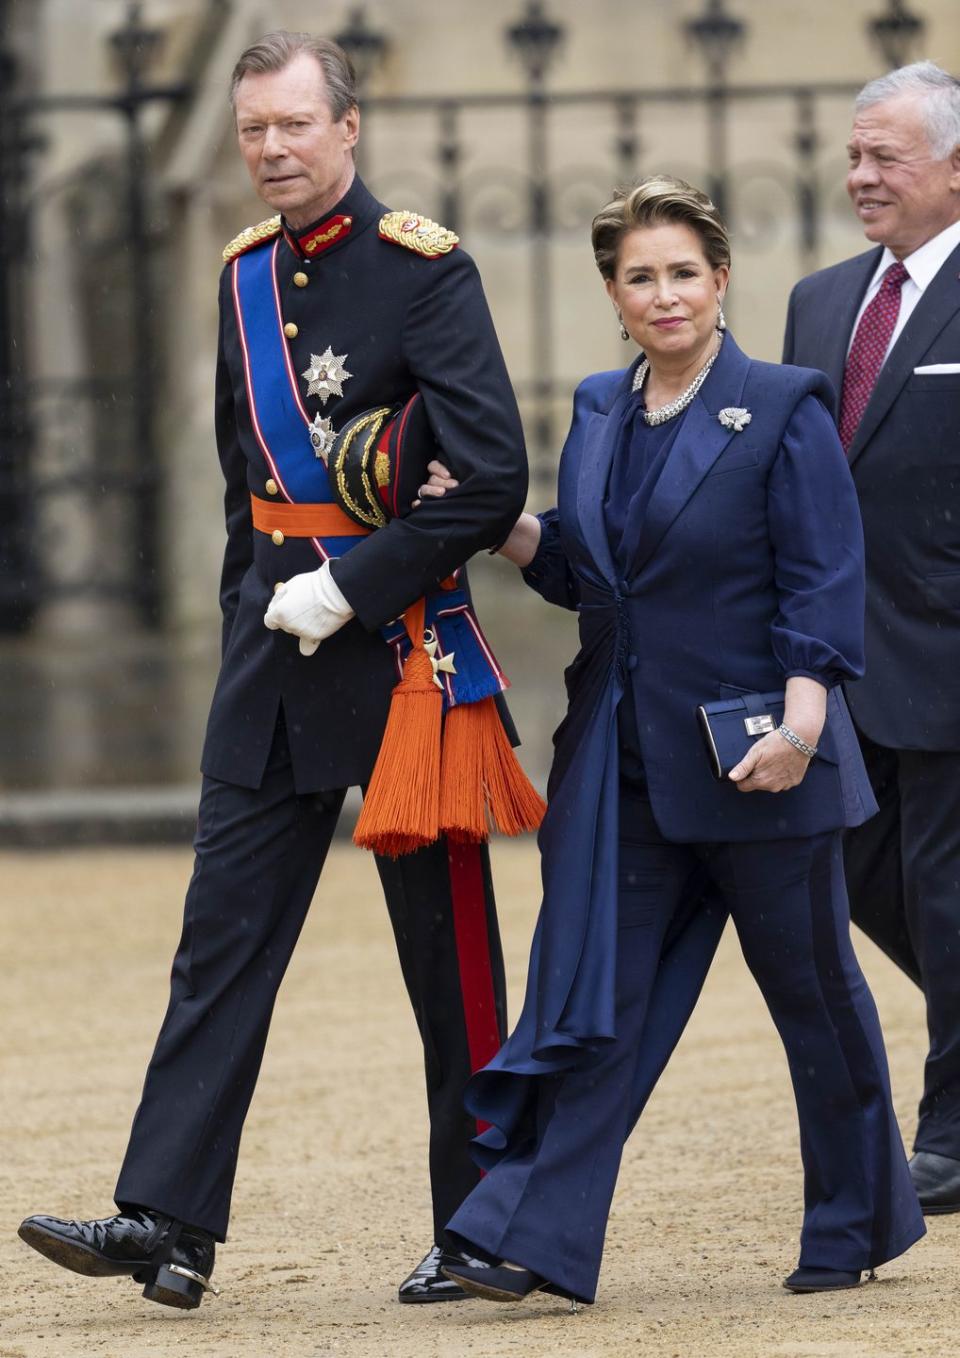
x: 473, y: 954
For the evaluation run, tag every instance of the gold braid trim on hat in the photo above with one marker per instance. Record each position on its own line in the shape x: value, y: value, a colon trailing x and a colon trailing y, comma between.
x: 370, y: 447
x: 251, y: 236
x: 417, y: 233
x: 373, y: 515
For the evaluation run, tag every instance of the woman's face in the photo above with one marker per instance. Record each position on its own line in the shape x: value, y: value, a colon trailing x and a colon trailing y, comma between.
x: 666, y: 290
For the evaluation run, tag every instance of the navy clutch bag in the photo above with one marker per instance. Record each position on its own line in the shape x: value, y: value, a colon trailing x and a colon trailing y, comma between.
x: 730, y: 726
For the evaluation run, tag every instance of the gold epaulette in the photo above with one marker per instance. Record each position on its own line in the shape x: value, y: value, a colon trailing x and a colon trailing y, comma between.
x: 251, y: 236
x: 418, y: 233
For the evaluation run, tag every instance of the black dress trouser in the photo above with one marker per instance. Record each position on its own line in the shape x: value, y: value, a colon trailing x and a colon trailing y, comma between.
x: 259, y: 854
x: 903, y: 879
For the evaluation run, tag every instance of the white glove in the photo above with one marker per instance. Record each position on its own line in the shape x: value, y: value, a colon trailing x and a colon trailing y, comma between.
x: 309, y: 606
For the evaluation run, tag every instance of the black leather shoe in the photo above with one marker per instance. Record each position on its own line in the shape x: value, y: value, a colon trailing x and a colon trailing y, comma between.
x: 822, y: 1280
x: 427, y: 1281
x: 937, y: 1181
x: 498, y: 1282
x: 173, y: 1261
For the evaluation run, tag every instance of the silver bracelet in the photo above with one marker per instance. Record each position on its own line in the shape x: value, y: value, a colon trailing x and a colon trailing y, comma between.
x: 794, y: 739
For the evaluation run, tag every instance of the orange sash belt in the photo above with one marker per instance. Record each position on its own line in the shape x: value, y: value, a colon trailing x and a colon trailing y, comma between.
x: 304, y: 521
x: 418, y: 790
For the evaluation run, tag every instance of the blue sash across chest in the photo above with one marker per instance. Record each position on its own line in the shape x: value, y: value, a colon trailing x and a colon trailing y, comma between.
x: 281, y: 425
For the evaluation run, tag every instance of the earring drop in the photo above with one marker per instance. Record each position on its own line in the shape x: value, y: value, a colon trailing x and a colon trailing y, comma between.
x: 721, y: 319
x: 624, y: 332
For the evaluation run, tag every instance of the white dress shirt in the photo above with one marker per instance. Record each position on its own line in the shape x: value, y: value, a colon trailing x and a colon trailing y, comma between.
x: 922, y: 266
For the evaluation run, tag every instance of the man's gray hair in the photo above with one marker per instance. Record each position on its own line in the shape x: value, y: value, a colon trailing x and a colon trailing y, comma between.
x: 276, y: 50
x: 939, y: 91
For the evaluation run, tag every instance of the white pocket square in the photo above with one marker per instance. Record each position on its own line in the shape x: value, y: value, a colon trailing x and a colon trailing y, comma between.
x: 935, y: 369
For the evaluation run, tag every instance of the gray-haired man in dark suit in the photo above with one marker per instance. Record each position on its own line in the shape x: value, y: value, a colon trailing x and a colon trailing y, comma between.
x: 885, y: 326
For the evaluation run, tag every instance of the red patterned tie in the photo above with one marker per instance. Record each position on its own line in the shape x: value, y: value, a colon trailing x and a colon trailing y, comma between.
x: 868, y: 350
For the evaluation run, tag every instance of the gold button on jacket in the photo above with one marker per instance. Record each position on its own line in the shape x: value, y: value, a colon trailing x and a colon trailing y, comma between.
x: 300, y: 279
x: 270, y: 486
x: 276, y: 538
x: 291, y: 330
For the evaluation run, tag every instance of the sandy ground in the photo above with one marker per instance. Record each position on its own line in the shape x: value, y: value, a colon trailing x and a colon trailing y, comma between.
x: 331, y: 1207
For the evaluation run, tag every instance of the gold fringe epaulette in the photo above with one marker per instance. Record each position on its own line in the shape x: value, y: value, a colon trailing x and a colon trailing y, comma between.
x: 251, y: 236
x: 418, y: 233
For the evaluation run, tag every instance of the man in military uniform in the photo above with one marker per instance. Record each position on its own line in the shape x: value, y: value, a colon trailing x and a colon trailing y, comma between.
x: 329, y: 308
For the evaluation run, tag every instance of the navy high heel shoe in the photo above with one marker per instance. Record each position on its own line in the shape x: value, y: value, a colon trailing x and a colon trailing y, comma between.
x: 500, y: 1282
x: 823, y: 1280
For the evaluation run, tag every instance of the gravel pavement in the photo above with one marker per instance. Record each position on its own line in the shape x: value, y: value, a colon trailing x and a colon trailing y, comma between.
x: 331, y: 1206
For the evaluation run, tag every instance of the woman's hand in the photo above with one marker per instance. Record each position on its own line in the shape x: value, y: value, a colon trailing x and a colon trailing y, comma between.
x: 770, y: 765
x: 773, y: 764
x: 520, y: 547
x: 439, y: 483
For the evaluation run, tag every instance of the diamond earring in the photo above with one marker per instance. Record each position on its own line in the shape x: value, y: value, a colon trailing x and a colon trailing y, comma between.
x: 721, y: 319
x: 624, y: 332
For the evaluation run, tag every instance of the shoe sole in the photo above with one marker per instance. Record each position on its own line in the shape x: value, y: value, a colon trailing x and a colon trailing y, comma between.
x: 837, y: 1287
x: 72, y: 1255
x: 940, y: 1210
x: 459, y: 1295
x: 490, y: 1293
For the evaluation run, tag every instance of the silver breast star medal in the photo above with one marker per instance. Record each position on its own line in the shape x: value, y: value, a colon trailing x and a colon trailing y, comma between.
x: 326, y: 375
x: 322, y: 436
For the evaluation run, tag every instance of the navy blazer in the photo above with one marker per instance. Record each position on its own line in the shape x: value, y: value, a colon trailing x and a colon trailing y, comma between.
x: 747, y: 568
x: 905, y: 460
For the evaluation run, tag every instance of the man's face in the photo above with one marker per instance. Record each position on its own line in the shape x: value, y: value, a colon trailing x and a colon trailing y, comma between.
x: 901, y: 193
x: 299, y: 159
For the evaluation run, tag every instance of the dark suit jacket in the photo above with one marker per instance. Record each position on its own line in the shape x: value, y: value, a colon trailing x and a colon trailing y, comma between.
x: 905, y: 461
x: 405, y: 323
x: 748, y: 568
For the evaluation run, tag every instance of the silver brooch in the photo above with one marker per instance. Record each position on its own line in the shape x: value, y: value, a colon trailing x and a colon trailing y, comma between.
x: 734, y: 417
x: 326, y: 375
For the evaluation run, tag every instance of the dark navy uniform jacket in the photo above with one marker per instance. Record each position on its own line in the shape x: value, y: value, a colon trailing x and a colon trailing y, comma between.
x: 905, y: 459
x: 403, y: 322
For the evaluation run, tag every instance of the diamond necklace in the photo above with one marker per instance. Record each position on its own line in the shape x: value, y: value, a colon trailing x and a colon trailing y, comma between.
x: 672, y: 408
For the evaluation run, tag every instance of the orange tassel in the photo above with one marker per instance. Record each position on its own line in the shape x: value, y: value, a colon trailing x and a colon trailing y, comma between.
x: 401, y: 808
x: 481, y: 780
x: 463, y: 804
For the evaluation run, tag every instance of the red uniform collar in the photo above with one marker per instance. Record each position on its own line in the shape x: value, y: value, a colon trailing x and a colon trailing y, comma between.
x: 319, y: 237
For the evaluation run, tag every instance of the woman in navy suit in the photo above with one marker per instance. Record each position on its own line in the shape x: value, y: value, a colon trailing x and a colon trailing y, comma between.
x: 708, y: 534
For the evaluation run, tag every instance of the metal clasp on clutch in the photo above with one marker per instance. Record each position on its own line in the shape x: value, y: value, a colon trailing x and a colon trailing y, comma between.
x: 759, y: 726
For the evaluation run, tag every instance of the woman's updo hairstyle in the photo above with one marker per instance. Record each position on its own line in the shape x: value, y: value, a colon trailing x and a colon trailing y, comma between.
x: 657, y: 199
